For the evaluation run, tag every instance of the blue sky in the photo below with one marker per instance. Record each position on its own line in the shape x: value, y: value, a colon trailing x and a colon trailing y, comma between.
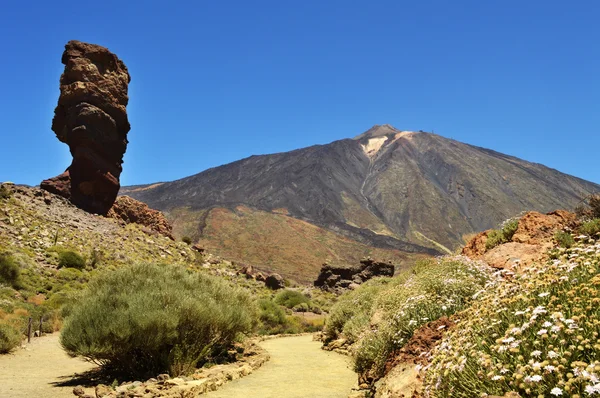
x: 213, y: 82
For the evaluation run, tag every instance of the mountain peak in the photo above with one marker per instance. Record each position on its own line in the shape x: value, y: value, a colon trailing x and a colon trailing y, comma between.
x: 378, y: 131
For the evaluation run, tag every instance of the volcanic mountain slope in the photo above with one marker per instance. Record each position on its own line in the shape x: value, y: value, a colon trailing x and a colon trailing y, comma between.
x: 415, y: 192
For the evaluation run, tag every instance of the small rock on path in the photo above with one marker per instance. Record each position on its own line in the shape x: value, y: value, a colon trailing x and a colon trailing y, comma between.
x: 298, y: 368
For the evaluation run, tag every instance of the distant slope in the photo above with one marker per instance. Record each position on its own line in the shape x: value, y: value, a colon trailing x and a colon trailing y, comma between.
x: 391, y: 189
x: 276, y: 242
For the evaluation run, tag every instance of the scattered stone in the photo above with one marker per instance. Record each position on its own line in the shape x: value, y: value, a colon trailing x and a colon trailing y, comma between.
x: 79, y: 391
x: 91, y: 118
x: 198, y: 248
x: 178, y: 381
x: 102, y: 391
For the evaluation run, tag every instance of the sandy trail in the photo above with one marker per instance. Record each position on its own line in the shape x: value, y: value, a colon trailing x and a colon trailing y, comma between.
x: 36, y: 370
x: 298, y: 368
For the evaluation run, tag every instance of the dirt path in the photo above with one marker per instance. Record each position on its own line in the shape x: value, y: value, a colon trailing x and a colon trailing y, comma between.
x: 298, y: 368
x: 37, y: 370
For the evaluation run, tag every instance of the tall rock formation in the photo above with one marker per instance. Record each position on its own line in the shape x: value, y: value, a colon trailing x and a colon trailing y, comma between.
x: 91, y: 118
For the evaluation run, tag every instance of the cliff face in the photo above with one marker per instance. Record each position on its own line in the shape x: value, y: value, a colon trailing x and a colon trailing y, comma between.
x: 91, y: 118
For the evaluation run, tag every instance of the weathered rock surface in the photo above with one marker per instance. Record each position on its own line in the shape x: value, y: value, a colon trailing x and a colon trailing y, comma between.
x: 91, y: 118
x: 335, y: 278
x: 530, y: 243
x: 130, y: 210
x: 275, y: 282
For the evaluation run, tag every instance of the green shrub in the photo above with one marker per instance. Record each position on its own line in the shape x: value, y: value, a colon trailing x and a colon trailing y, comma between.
x: 70, y: 259
x: 5, y: 193
x: 564, y: 239
x: 290, y: 298
x: 146, y: 319
x: 590, y: 227
x: 10, y: 272
x: 594, y: 202
x: 434, y: 288
x: 504, y: 234
x: 186, y: 240
x: 10, y: 338
x: 272, y: 317
x: 351, y: 314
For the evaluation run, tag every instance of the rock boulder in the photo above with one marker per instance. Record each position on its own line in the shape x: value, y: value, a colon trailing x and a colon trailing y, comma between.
x: 275, y: 282
x: 130, y: 210
x: 91, y: 118
x: 335, y: 278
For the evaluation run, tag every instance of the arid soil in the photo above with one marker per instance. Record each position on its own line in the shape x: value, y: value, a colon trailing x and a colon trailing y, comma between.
x: 298, y: 368
x: 41, y: 370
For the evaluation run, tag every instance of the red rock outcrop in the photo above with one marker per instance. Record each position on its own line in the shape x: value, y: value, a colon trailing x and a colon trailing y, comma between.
x: 91, y: 118
x: 476, y: 246
x: 529, y: 244
x: 130, y: 210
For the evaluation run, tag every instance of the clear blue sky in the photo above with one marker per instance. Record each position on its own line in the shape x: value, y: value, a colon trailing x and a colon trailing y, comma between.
x: 216, y: 81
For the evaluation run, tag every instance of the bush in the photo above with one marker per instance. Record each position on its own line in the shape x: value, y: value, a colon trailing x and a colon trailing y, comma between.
x: 10, y: 272
x: 594, y: 202
x: 5, y: 193
x: 272, y: 317
x: 10, y: 338
x: 590, y: 227
x: 290, y: 298
x: 497, y: 237
x: 70, y: 259
x: 148, y: 319
x: 434, y: 288
x: 536, y: 334
x: 352, y: 313
x: 564, y: 239
x: 186, y: 240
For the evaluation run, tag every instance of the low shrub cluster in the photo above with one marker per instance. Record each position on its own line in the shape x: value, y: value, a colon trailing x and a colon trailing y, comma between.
x: 564, y: 239
x: 537, y: 334
x: 272, y: 317
x: 353, y: 311
x: 274, y: 320
x: 504, y: 234
x: 10, y: 272
x: 590, y: 227
x: 5, y: 192
x: 143, y: 320
x: 70, y: 259
x: 290, y: 298
x: 10, y: 338
x: 379, y: 318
